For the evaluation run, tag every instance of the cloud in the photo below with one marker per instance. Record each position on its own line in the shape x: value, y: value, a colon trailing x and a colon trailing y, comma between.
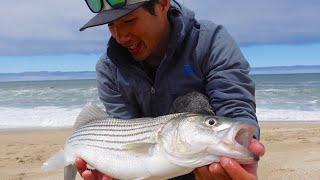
x: 48, y: 27
x: 254, y: 22
x: 51, y: 27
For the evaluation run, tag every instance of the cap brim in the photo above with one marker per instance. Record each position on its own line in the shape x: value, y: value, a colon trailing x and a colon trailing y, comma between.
x: 104, y: 17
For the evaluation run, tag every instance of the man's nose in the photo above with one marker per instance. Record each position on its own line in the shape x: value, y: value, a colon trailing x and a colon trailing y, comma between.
x: 121, y: 35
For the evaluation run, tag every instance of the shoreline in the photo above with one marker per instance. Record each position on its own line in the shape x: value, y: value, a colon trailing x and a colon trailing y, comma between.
x: 28, y: 129
x: 292, y: 152
x: 290, y: 122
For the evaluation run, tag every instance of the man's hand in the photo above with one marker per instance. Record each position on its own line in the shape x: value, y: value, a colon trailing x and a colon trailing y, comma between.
x: 89, y: 174
x: 230, y: 169
x: 226, y: 169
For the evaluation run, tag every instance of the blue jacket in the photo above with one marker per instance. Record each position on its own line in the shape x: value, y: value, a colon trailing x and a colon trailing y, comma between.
x: 201, y: 56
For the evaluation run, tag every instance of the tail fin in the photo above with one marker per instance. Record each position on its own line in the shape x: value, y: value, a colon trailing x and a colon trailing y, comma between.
x: 59, y: 160
x: 56, y: 161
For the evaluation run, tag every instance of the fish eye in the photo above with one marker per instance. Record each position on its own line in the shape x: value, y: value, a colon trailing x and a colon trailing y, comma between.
x: 211, y: 122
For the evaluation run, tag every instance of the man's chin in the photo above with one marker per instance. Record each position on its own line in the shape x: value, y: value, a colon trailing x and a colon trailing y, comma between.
x: 139, y: 58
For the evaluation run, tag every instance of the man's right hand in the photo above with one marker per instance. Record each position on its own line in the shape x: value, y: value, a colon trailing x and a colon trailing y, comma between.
x: 89, y: 174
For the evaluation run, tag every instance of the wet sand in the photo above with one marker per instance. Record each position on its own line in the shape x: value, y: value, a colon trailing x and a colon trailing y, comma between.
x: 292, y: 152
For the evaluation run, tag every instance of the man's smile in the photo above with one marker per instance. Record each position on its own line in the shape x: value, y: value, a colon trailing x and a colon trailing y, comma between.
x: 134, y: 48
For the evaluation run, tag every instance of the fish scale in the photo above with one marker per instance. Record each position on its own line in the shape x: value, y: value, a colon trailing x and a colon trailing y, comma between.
x: 120, y: 127
x: 126, y: 128
x: 113, y: 134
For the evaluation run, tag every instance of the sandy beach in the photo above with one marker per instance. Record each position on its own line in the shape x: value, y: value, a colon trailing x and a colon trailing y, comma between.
x: 292, y: 152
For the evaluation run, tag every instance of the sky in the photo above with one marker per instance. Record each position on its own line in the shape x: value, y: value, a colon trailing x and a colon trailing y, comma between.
x: 44, y: 35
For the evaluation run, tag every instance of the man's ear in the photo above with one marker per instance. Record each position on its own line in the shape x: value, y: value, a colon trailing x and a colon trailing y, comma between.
x: 164, y: 5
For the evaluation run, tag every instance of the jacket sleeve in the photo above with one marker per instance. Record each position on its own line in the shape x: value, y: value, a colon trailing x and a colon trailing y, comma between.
x: 115, y: 103
x: 228, y: 84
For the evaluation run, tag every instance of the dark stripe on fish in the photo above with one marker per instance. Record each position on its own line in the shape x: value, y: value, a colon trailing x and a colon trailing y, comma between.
x: 115, y: 124
x: 102, y: 147
x: 130, y: 123
x: 108, y: 141
x: 112, y: 128
x: 110, y: 135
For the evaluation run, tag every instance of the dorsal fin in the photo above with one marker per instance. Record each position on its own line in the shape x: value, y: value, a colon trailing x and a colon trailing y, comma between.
x: 89, y: 113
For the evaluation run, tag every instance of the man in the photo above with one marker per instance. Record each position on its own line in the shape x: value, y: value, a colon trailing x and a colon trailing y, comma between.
x: 159, y: 51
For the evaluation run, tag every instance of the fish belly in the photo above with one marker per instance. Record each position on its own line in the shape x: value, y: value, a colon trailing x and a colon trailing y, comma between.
x: 124, y: 165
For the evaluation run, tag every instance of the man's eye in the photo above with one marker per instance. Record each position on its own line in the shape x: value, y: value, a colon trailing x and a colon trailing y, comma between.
x: 110, y: 24
x: 130, y: 20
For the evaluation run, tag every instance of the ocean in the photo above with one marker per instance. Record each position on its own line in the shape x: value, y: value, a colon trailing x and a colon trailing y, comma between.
x: 56, y: 103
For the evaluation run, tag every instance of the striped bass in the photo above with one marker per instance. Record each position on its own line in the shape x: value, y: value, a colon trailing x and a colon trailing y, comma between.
x: 151, y: 148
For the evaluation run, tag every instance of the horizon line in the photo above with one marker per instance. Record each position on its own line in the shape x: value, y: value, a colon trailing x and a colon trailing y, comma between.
x: 44, y: 71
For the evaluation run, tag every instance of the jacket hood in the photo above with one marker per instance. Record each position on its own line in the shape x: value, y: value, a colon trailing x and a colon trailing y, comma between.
x: 181, y: 20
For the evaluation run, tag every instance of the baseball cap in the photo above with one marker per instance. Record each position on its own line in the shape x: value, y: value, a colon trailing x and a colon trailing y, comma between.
x: 109, y: 14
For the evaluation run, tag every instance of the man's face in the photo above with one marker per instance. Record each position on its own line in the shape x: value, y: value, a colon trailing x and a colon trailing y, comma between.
x: 140, y: 32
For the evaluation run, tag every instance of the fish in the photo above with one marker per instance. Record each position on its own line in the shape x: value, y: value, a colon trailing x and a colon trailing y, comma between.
x: 151, y: 148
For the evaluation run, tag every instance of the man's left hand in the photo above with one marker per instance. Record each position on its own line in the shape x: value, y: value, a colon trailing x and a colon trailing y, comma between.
x: 230, y: 169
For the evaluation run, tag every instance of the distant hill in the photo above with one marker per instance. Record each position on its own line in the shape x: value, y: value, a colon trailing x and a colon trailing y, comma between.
x: 286, y: 70
x: 44, y: 75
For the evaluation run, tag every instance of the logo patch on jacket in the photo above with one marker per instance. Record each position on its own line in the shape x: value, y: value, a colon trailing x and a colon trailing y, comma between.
x: 188, y: 69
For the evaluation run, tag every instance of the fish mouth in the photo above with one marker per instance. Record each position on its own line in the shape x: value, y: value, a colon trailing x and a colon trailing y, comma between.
x: 239, y: 140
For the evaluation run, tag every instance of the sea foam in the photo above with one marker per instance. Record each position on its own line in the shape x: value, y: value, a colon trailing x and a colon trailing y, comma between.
x: 47, y: 117
x: 38, y: 117
x: 265, y: 114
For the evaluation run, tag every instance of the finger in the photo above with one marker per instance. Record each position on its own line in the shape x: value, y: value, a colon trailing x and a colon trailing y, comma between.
x: 81, y: 165
x: 202, y: 173
x: 251, y: 168
x: 88, y: 175
x: 257, y: 147
x: 101, y: 176
x: 94, y: 175
x: 106, y: 177
x: 235, y: 170
x: 218, y: 172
